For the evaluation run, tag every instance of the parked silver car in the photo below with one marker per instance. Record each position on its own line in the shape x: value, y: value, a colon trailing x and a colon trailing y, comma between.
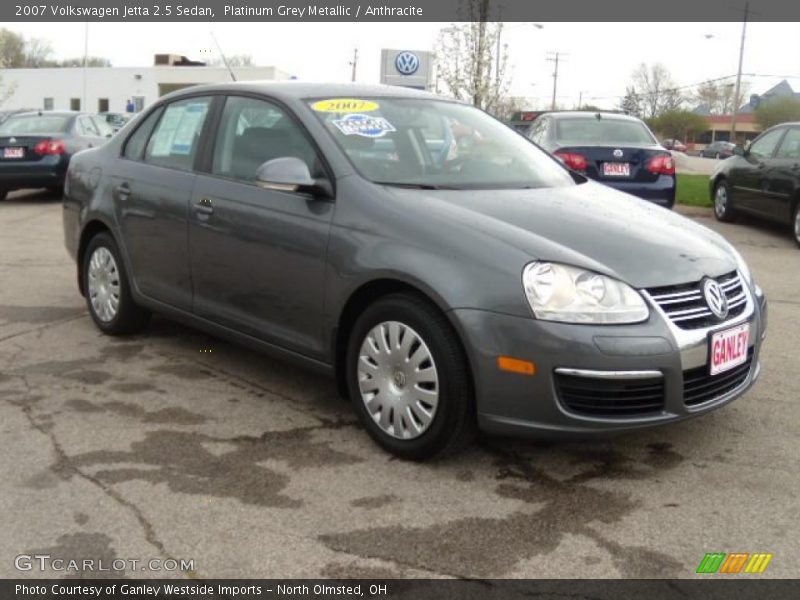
x: 449, y: 273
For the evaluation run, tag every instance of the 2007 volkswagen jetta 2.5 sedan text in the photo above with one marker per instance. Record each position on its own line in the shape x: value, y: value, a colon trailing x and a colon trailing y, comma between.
x: 450, y: 274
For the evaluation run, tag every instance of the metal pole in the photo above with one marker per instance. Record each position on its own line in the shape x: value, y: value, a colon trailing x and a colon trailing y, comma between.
x: 555, y: 83
x: 85, y: 62
x: 354, y: 64
x: 739, y: 74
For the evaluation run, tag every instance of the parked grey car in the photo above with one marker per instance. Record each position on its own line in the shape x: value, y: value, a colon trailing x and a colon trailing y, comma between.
x: 450, y: 274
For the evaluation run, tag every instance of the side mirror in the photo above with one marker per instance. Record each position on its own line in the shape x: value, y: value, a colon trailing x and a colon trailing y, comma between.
x: 290, y: 174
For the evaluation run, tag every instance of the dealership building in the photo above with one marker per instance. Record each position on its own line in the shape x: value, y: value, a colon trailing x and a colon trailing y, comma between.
x: 108, y: 89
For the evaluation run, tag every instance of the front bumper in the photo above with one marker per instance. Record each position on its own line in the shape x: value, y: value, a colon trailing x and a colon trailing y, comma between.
x: 514, y: 404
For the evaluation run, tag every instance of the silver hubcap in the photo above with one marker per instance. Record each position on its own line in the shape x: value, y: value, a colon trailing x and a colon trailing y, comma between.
x: 721, y: 200
x: 797, y: 225
x: 398, y: 380
x: 103, y: 284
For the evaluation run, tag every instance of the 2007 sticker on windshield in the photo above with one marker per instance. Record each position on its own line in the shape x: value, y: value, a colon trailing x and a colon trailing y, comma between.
x: 345, y: 105
x: 364, y: 125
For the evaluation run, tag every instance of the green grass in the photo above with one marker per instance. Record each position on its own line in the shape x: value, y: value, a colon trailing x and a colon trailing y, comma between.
x: 692, y: 190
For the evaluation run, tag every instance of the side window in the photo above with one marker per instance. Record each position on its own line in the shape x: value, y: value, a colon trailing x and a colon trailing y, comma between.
x: 790, y: 146
x: 102, y: 126
x: 135, y: 144
x: 176, y: 137
x: 85, y: 126
x: 251, y: 132
x: 764, y: 146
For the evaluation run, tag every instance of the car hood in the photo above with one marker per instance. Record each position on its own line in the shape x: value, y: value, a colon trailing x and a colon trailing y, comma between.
x: 587, y: 225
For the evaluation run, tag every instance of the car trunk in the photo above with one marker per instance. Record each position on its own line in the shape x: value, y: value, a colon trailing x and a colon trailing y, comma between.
x: 21, y: 148
x: 617, y: 163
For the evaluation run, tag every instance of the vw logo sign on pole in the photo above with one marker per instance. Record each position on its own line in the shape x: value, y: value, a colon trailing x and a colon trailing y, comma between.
x: 406, y: 63
x: 715, y: 298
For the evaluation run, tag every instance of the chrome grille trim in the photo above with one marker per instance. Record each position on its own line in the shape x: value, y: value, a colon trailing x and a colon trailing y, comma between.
x: 687, y: 308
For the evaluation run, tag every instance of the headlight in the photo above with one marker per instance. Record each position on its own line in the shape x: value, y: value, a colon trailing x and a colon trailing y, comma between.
x: 571, y: 295
x: 742, y: 266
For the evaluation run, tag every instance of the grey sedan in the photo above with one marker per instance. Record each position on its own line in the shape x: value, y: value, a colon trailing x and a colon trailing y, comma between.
x: 446, y: 271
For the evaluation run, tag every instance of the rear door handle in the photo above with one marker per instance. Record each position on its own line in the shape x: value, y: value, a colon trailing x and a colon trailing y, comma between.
x: 122, y: 191
x: 204, y: 207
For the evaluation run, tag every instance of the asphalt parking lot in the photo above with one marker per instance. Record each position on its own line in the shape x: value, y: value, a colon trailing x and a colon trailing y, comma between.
x: 173, y: 444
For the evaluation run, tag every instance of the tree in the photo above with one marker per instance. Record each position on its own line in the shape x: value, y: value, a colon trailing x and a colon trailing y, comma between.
x: 677, y: 124
x: 717, y: 96
x: 91, y: 61
x: 235, y: 60
x: 658, y: 92
x: 777, y: 110
x: 631, y: 104
x: 467, y: 59
x: 12, y: 49
x: 38, y: 53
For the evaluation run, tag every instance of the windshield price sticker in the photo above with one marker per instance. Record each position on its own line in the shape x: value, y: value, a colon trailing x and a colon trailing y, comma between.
x: 364, y: 125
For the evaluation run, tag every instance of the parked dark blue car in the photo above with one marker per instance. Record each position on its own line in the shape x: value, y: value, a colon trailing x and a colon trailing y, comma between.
x: 614, y: 149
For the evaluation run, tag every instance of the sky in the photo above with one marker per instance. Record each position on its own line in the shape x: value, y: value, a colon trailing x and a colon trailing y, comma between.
x: 598, y: 58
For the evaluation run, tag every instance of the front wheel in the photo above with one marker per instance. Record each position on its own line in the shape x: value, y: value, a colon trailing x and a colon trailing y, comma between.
x: 107, y: 289
x: 723, y: 205
x: 408, y: 379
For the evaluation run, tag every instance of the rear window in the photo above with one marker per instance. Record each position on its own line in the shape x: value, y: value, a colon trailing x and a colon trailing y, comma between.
x: 34, y: 124
x: 591, y: 130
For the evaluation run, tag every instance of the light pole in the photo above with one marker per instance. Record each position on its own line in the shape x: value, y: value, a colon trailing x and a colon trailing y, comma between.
x: 739, y: 74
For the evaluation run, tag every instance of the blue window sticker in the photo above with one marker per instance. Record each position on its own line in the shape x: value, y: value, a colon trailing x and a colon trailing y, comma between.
x: 363, y: 125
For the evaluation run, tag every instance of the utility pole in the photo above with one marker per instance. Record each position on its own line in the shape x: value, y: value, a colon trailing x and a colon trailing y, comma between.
x: 737, y: 89
x: 354, y: 63
x: 555, y: 57
x: 85, y: 63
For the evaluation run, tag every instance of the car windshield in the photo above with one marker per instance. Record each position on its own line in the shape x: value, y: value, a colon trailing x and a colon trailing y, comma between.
x: 605, y: 130
x: 34, y: 124
x: 435, y: 144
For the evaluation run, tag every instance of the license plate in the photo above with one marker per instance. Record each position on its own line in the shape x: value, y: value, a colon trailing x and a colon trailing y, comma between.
x: 729, y: 348
x: 13, y: 152
x: 612, y: 169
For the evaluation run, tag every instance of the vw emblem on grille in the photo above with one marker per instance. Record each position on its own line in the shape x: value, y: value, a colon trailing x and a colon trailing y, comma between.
x: 12, y: 140
x: 715, y: 298
x: 406, y: 63
x: 617, y: 153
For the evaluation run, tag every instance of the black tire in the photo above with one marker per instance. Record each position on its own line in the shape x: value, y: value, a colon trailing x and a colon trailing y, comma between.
x: 129, y: 317
x: 454, y: 424
x: 723, y: 210
x: 3, y: 194
x: 56, y: 190
x: 796, y: 223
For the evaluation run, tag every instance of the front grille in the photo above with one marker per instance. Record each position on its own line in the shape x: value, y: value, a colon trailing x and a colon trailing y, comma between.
x: 686, y: 307
x: 699, y: 386
x: 610, y: 397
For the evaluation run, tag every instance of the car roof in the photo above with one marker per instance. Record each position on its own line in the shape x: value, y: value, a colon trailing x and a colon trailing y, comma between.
x: 293, y: 89
x: 55, y: 113
x: 582, y: 114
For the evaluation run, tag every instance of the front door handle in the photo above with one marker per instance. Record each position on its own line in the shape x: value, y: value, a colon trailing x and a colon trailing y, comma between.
x: 204, y: 208
x: 122, y: 191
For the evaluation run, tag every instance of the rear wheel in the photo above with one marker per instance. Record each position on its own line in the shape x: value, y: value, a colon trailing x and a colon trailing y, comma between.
x: 3, y: 194
x: 408, y: 379
x: 796, y: 223
x: 107, y: 289
x: 723, y: 205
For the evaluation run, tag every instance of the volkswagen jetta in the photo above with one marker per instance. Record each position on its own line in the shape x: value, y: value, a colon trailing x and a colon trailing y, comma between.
x: 450, y: 274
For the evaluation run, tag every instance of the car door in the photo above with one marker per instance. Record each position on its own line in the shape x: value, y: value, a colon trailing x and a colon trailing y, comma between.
x: 749, y: 175
x: 784, y: 177
x: 152, y: 187
x: 258, y: 256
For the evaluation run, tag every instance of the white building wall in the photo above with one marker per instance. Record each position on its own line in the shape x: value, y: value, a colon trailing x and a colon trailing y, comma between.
x: 117, y: 84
